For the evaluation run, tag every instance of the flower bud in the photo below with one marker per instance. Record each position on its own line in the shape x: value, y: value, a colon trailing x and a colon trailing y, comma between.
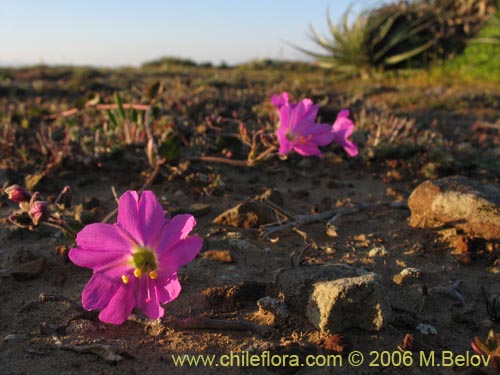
x: 39, y: 211
x: 64, y: 199
x: 17, y: 194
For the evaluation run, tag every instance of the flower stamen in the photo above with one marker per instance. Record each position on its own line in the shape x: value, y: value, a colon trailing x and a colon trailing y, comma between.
x: 153, y: 275
x: 137, y: 272
x: 125, y: 279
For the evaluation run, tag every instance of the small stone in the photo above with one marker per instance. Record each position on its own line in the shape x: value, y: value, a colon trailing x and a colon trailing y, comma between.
x: 335, y: 297
x: 274, y: 307
x: 378, y: 251
x: 221, y: 256
x: 13, y: 337
x: 469, y: 205
x: 331, y: 230
x: 407, y: 273
x: 29, y: 270
x: 199, y: 209
x: 426, y: 329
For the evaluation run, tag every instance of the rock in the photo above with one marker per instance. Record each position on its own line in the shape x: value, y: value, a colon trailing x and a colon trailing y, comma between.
x: 469, y: 205
x: 199, y: 209
x: 426, y: 329
x: 221, y: 256
x: 378, y: 251
x: 407, y: 273
x: 29, y: 270
x: 252, y: 213
x: 335, y: 297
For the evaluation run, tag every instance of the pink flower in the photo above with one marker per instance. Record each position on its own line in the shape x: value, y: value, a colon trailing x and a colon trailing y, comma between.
x: 17, y: 194
x: 135, y: 261
x: 297, y: 130
x: 342, y: 129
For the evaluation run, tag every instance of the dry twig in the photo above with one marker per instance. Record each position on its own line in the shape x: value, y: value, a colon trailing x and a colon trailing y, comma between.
x: 331, y: 216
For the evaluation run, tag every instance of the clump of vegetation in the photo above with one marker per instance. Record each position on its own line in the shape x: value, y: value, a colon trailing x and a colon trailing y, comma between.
x: 407, y: 34
x: 167, y: 62
x: 481, y: 57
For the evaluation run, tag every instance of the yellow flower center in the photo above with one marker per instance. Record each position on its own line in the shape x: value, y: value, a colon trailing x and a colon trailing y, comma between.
x: 144, y: 262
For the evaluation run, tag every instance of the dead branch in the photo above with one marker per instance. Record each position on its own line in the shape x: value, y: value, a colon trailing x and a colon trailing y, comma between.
x: 216, y: 159
x: 108, y: 352
x: 331, y: 216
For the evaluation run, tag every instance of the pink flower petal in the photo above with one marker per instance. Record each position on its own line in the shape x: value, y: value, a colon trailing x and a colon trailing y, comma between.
x: 128, y: 216
x: 285, y: 145
x: 179, y: 255
x: 91, y: 253
x: 147, y: 298
x: 302, y: 116
x: 96, y: 259
x: 120, y: 305
x: 343, y: 113
x: 308, y: 149
x: 98, y: 291
x: 169, y: 288
x: 105, y: 237
x: 177, y: 229
x: 285, y: 112
x: 342, y: 128
x: 279, y: 100
x: 350, y: 148
x: 151, y: 216
x: 321, y: 134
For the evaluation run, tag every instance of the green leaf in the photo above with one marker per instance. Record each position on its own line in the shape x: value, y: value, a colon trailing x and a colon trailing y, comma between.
x: 121, y: 111
x: 406, y: 55
x: 153, y: 90
x: 112, y: 119
x: 171, y: 148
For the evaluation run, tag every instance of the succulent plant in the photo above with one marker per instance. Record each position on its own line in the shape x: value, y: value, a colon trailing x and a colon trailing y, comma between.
x: 490, y: 347
x: 406, y: 34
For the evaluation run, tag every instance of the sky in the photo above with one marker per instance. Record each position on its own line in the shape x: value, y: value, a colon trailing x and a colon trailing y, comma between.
x: 128, y: 33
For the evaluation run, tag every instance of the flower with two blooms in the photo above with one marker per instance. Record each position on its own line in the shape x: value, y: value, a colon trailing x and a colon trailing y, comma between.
x: 298, y: 130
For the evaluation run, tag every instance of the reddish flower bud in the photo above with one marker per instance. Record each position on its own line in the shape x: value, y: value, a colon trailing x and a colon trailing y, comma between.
x: 17, y: 194
x: 39, y: 211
